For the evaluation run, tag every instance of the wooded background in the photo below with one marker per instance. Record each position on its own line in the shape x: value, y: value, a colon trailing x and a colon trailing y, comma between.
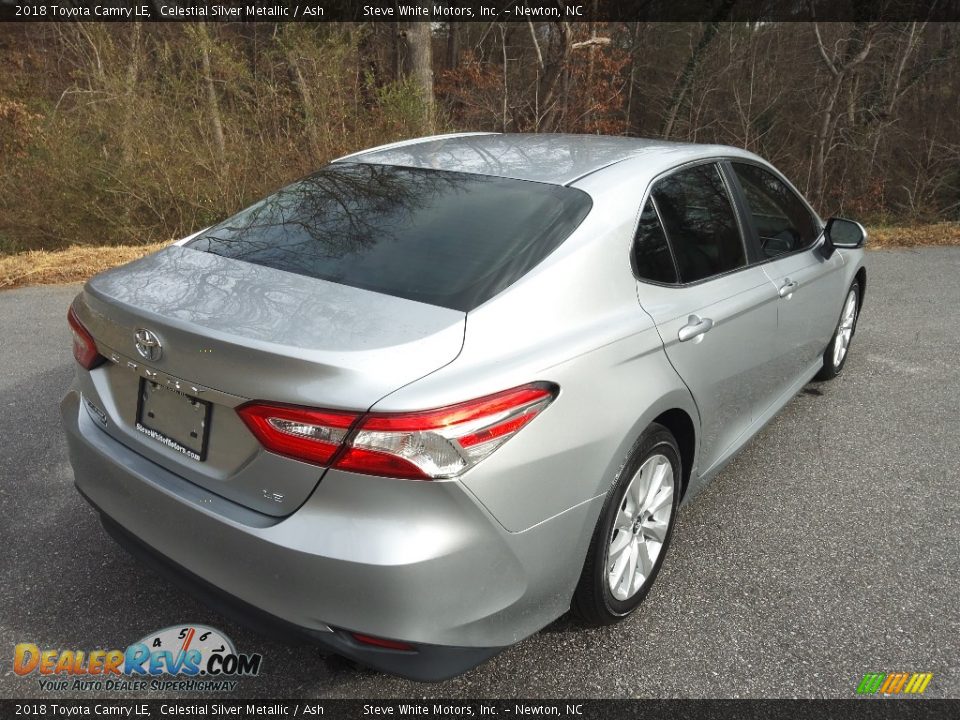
x: 135, y: 133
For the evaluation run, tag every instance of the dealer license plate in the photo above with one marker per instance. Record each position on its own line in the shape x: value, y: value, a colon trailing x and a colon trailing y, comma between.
x: 177, y: 420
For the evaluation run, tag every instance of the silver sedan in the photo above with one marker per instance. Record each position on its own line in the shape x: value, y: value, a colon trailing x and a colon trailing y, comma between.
x: 419, y: 404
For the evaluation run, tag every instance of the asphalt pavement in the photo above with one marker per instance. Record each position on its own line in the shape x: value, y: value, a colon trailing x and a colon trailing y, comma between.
x: 829, y: 548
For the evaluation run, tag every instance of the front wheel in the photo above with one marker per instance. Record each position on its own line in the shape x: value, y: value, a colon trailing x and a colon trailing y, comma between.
x: 633, y: 532
x: 835, y: 355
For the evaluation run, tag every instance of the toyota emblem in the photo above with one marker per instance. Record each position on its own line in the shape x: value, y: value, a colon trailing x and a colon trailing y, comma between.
x: 148, y: 344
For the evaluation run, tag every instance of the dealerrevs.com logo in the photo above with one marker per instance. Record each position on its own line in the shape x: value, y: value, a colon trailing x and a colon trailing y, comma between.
x: 178, y: 658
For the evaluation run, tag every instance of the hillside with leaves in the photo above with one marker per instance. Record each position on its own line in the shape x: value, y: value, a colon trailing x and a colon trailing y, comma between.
x: 134, y: 134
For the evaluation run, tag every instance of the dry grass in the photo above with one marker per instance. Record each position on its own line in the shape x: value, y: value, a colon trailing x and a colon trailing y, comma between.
x: 78, y: 263
x: 944, y: 233
x: 39, y: 267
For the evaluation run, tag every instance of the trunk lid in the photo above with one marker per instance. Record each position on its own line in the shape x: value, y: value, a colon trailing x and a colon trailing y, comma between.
x: 231, y: 331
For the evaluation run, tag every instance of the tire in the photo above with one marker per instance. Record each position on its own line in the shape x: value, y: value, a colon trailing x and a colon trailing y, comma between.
x: 600, y: 598
x: 835, y: 356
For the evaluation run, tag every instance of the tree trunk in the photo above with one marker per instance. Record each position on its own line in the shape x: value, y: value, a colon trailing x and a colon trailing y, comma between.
x: 824, y: 135
x: 420, y: 66
x: 453, y: 45
x: 682, y: 87
x: 894, y: 94
x: 130, y: 85
x: 550, y: 83
x: 591, y: 69
x: 306, y: 101
x: 506, y: 79
x: 213, y: 105
x: 856, y: 50
x: 628, y: 107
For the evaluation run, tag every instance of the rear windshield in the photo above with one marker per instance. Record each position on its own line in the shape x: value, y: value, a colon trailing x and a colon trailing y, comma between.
x: 444, y: 238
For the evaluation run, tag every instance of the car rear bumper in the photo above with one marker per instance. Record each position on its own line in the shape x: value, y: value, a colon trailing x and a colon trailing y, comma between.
x: 420, y: 562
x: 427, y: 662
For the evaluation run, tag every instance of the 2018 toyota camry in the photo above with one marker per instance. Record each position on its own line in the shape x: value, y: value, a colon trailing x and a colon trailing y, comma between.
x: 424, y: 401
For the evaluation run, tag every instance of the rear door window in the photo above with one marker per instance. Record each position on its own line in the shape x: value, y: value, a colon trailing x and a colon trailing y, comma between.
x: 444, y: 238
x: 652, y: 258
x: 700, y: 223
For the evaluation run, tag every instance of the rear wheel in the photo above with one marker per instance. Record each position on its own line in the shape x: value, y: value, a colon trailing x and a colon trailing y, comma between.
x: 633, y: 532
x: 835, y: 356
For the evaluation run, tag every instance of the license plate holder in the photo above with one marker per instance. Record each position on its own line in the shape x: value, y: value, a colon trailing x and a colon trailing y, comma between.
x: 175, y: 419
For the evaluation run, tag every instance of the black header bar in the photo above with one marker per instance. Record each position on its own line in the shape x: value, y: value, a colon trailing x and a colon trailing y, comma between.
x: 478, y: 10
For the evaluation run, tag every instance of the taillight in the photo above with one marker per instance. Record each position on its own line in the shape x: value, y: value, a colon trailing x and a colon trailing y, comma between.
x: 442, y: 443
x: 426, y: 445
x: 300, y: 433
x: 84, y: 348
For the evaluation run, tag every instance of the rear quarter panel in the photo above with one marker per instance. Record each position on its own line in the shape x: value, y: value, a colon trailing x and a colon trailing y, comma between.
x: 575, y: 321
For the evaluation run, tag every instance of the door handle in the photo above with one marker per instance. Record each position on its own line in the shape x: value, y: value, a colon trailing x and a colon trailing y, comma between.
x: 787, y: 288
x: 695, y: 327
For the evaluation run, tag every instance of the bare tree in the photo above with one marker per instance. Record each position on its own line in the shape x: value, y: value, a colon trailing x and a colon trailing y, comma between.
x: 689, y: 71
x: 420, y: 65
x: 306, y: 101
x: 453, y: 45
x: 862, y: 116
x: 846, y: 55
x: 553, y: 74
x: 213, y: 104
x: 130, y: 84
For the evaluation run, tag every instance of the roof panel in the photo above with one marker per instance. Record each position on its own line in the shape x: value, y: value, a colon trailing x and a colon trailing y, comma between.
x: 558, y: 159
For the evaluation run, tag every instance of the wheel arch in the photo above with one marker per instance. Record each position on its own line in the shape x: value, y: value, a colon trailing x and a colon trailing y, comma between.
x: 861, y: 278
x: 681, y: 426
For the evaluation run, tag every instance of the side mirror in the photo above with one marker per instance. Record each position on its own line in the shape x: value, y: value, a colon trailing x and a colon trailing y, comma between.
x: 842, y: 233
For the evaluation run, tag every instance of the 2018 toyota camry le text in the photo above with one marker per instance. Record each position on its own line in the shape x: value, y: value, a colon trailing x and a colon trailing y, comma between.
x: 421, y: 403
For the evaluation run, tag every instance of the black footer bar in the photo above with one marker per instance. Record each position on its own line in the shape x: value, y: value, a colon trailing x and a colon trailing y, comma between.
x: 872, y: 709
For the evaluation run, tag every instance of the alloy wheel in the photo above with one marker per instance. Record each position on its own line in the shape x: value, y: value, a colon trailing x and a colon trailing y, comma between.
x: 845, y: 329
x: 640, y: 527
